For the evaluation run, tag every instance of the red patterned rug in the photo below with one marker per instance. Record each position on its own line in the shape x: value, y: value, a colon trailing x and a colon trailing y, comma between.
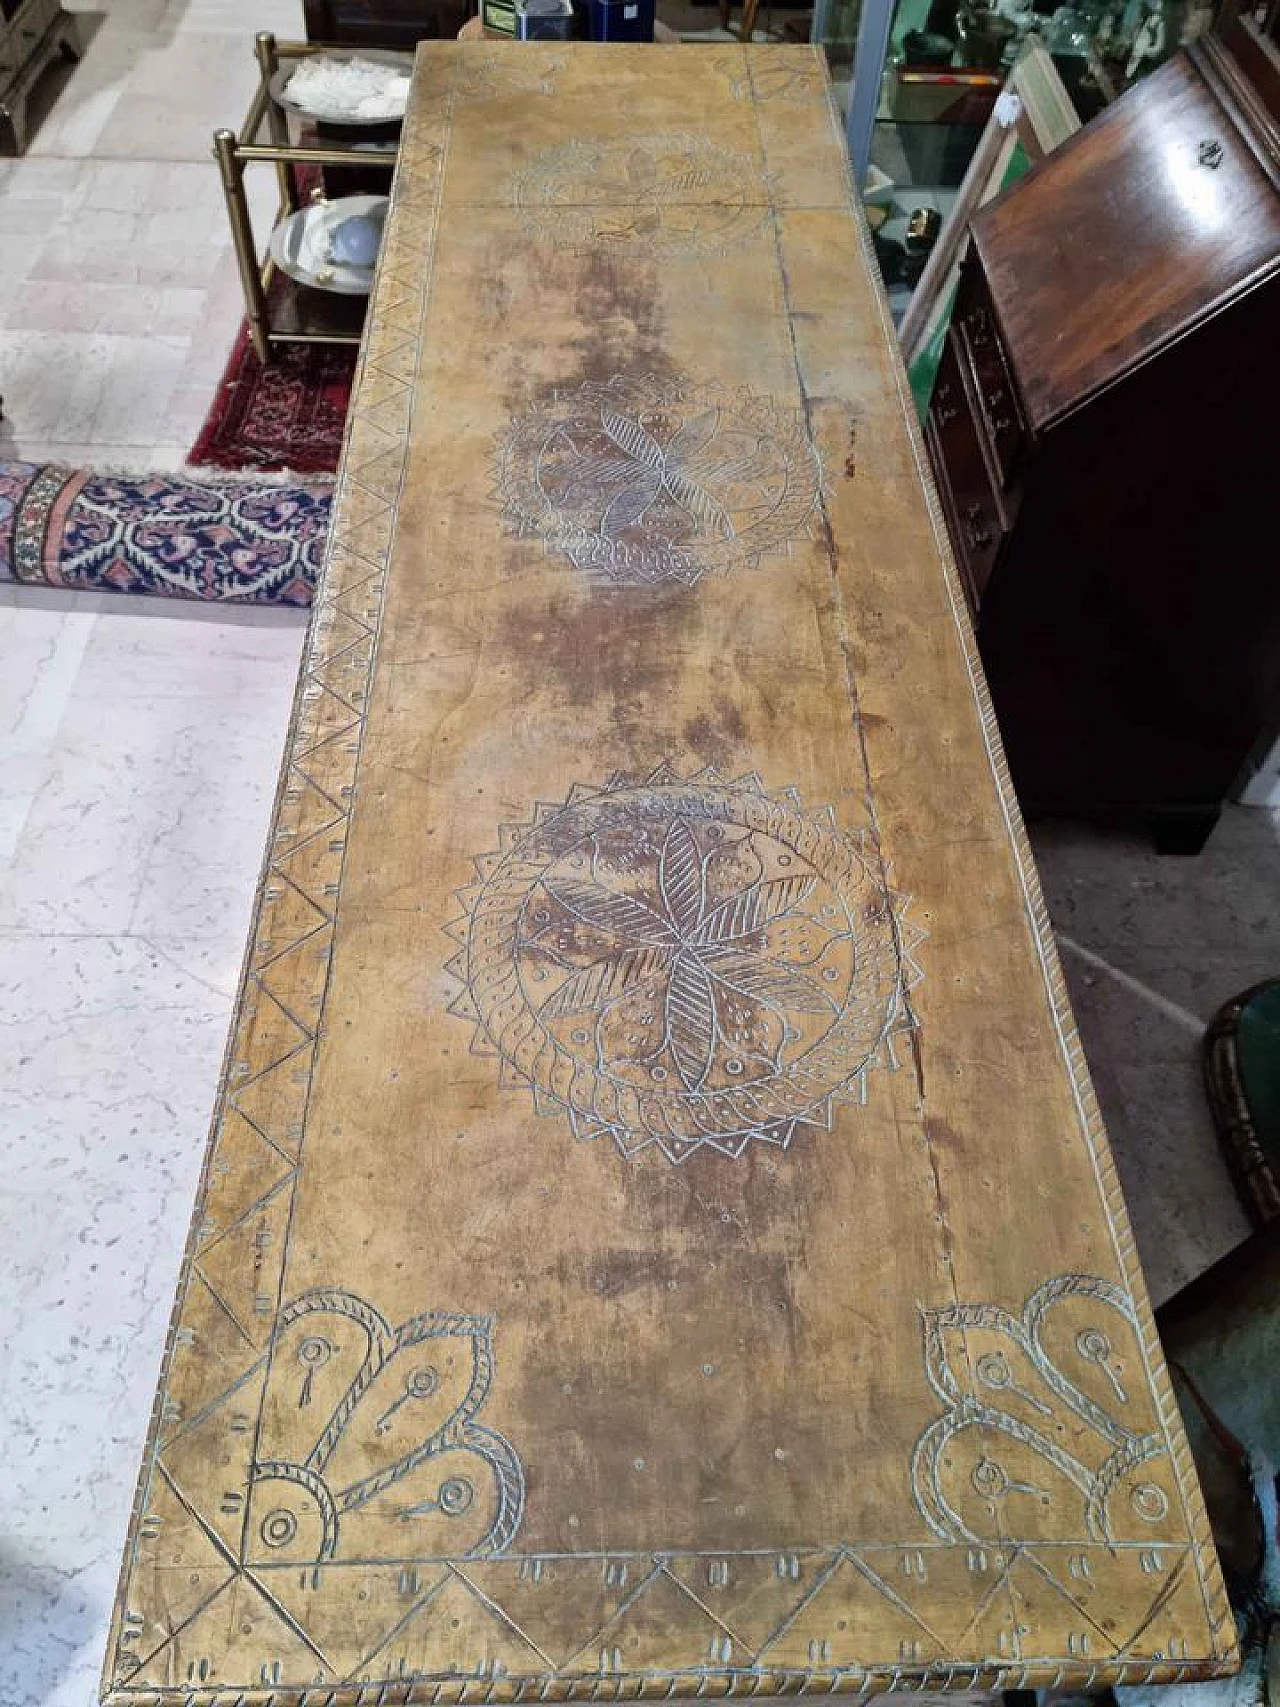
x: 287, y: 414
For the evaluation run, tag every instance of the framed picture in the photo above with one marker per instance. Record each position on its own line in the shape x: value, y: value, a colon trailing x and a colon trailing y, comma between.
x: 1032, y: 115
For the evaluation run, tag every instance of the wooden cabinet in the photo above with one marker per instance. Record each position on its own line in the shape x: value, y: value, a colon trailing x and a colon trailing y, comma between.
x: 32, y: 34
x: 383, y: 23
x: 1104, y: 440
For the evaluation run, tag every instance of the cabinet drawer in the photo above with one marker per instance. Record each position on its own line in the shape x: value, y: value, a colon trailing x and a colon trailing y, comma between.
x: 998, y: 409
x: 975, y: 516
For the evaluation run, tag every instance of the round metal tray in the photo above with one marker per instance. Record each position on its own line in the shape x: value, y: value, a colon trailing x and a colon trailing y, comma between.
x: 298, y: 245
x: 279, y: 86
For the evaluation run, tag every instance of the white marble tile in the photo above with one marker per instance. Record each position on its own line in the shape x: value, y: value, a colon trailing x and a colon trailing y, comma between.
x: 76, y: 453
x: 91, y: 95
x: 139, y: 748
x: 45, y: 305
x: 108, y: 1057
x: 103, y: 389
x: 179, y: 92
x: 35, y: 192
x: 83, y: 1075
x: 157, y: 780
x: 282, y: 17
x: 43, y: 637
x: 130, y: 225
x: 110, y: 1047
x: 122, y: 14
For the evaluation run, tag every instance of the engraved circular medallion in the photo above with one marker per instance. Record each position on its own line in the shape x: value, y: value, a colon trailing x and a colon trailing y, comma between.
x: 649, y: 195
x: 649, y: 480
x: 685, y: 964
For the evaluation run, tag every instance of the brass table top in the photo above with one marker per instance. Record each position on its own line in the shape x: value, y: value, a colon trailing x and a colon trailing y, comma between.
x: 658, y: 1238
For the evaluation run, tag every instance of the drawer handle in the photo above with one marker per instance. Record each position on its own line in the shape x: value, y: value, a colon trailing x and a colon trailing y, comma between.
x: 976, y: 531
x: 1000, y: 421
x: 943, y: 407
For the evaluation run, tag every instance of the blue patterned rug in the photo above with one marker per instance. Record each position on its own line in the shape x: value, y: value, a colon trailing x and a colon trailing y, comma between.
x: 232, y: 540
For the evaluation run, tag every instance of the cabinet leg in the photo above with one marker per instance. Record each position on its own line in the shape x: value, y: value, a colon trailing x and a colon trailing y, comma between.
x: 13, y: 126
x: 1183, y: 829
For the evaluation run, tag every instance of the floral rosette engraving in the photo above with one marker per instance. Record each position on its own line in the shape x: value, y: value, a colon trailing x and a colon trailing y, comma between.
x: 678, y: 194
x: 685, y: 964
x: 646, y: 480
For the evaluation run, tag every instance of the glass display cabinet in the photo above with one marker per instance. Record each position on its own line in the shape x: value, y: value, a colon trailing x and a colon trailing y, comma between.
x: 918, y: 82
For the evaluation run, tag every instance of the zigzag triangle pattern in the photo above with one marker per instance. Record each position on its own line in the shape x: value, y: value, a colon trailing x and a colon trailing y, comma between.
x: 593, y: 1628
x: 230, y: 1289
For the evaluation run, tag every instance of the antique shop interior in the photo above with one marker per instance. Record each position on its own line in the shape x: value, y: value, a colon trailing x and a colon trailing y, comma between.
x: 283, y: 483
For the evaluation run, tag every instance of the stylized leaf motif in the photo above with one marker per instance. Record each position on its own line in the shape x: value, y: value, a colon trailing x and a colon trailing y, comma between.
x: 764, y: 980
x: 680, y: 877
x: 633, y: 439
x: 754, y: 907
x: 735, y: 456
x: 587, y: 479
x: 699, y: 502
x: 691, y: 1020
x: 628, y: 507
x: 603, y: 981
x: 694, y: 436
x: 739, y: 475
x: 606, y: 910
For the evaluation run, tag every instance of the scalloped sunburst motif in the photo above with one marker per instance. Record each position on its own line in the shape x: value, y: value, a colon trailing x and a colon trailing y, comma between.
x: 685, y: 964
x: 647, y: 479
x: 670, y: 194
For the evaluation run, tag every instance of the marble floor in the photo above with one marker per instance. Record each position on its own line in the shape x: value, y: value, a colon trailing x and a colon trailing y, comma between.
x: 119, y: 295
x: 139, y: 745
